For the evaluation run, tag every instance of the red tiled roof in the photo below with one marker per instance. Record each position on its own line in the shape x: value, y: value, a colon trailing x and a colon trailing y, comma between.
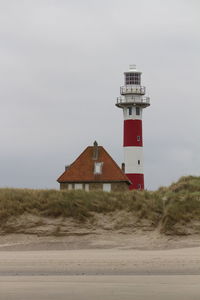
x: 82, y: 169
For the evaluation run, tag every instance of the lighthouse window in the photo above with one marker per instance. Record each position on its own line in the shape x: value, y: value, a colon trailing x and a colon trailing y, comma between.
x: 138, y: 162
x: 132, y: 78
x: 137, y: 111
x: 138, y: 138
x: 130, y: 111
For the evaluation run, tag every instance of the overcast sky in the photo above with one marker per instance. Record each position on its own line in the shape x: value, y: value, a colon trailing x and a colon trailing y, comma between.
x: 62, y: 64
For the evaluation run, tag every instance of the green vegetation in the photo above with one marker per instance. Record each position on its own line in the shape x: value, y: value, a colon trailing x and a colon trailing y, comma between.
x: 182, y: 208
x: 172, y: 209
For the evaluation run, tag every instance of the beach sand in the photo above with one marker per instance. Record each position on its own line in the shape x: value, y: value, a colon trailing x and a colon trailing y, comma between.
x: 100, y: 288
x: 105, y: 267
x: 185, y: 261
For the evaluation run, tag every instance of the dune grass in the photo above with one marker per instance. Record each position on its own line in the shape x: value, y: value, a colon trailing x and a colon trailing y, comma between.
x: 168, y: 206
x: 182, y: 203
x: 76, y: 204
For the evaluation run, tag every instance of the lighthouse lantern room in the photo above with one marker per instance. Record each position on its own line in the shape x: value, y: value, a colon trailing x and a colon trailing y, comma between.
x: 133, y: 101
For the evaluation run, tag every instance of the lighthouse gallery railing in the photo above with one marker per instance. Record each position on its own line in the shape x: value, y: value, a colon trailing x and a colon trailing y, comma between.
x: 145, y: 100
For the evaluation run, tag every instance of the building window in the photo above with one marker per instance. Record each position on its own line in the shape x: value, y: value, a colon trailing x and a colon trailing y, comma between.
x: 87, y: 187
x: 132, y: 78
x: 70, y: 187
x: 98, y: 167
x: 78, y: 186
x: 138, y: 138
x: 106, y: 187
x: 138, y: 161
x: 129, y: 111
x: 137, y: 110
x: 139, y: 186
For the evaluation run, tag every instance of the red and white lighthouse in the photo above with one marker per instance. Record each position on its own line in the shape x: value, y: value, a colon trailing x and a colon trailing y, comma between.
x: 132, y: 101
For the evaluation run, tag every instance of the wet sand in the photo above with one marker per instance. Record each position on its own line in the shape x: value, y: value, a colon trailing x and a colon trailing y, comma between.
x: 108, y: 274
x: 100, y: 288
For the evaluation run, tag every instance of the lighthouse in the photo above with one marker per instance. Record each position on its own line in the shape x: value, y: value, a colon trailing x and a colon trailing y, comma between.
x: 133, y: 101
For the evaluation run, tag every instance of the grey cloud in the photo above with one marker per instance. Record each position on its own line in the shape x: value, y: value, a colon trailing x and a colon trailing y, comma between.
x: 62, y: 63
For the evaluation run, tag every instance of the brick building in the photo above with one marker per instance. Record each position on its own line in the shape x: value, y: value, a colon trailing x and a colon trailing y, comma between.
x: 94, y: 169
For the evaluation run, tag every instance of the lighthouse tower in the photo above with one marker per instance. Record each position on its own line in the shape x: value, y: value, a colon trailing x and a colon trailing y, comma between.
x: 133, y: 101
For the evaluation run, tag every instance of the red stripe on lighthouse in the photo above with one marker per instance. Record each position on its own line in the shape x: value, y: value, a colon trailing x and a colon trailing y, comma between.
x: 133, y: 133
x: 137, y: 181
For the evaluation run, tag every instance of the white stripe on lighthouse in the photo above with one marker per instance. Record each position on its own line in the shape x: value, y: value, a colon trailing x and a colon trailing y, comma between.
x: 133, y: 158
x: 131, y: 114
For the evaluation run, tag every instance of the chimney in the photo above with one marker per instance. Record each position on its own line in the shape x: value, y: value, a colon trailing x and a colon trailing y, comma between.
x: 67, y: 167
x: 123, y: 167
x: 95, y: 151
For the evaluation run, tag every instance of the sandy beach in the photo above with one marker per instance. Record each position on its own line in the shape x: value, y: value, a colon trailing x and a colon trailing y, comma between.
x: 100, y: 262
x: 99, y: 268
x: 100, y: 287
